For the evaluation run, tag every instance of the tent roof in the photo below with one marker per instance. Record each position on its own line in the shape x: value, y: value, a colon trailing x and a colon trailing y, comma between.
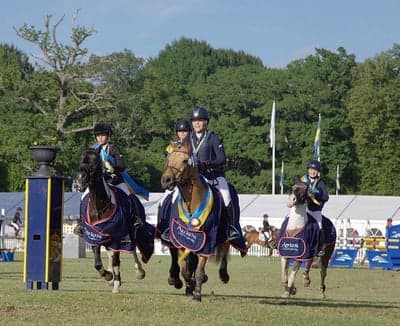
x: 252, y: 206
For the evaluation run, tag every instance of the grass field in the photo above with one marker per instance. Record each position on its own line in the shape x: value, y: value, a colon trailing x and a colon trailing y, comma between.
x: 356, y: 296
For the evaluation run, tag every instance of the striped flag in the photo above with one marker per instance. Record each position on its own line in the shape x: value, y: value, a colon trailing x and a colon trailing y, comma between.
x: 282, y: 178
x: 337, y: 180
x: 317, y: 140
x: 272, y: 127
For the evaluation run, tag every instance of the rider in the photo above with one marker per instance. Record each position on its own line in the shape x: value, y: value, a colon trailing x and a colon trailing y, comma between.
x: 113, y: 166
x: 209, y: 156
x: 16, y: 222
x: 182, y: 129
x: 318, y: 197
x: 266, y: 227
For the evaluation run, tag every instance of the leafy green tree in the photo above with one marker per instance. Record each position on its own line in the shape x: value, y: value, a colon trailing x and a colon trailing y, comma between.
x: 375, y: 117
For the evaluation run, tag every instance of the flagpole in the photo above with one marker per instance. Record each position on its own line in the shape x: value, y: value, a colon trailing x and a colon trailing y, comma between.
x: 272, y: 139
x: 282, y: 177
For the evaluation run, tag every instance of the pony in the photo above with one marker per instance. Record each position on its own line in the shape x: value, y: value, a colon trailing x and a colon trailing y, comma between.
x: 299, y: 241
x: 107, y: 220
x: 253, y: 236
x: 192, y: 219
x: 11, y: 230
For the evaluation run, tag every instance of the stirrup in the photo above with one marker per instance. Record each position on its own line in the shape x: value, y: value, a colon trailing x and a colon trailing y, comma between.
x: 138, y: 223
x: 233, y: 234
x: 165, y: 237
x: 321, y: 253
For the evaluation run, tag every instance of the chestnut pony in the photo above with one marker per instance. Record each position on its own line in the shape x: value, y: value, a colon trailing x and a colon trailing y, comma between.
x: 195, y: 219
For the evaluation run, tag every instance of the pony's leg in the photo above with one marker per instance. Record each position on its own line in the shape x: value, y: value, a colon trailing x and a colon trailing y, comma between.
x: 199, y: 276
x: 288, y: 279
x: 187, y: 275
x: 222, y: 256
x: 98, y: 264
x: 284, y: 270
x: 174, y: 270
x: 306, y: 274
x: 139, y: 271
x: 116, y: 271
x: 292, y: 277
x: 324, y: 262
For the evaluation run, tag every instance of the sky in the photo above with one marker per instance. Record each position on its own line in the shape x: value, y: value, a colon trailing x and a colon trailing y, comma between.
x: 276, y: 31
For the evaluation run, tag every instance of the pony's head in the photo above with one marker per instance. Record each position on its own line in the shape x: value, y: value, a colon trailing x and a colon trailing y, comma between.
x: 90, y: 167
x: 298, y: 194
x: 179, y: 165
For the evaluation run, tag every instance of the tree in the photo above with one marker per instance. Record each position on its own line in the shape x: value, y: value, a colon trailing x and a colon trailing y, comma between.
x: 374, y: 115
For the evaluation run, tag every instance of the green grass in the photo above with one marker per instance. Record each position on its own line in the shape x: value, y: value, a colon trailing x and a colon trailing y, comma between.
x: 356, y: 296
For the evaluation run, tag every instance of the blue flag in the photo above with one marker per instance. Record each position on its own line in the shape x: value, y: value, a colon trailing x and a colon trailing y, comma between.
x: 317, y: 140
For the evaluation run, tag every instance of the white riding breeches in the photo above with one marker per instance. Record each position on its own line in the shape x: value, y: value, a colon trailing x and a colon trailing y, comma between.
x: 317, y: 215
x: 222, y: 185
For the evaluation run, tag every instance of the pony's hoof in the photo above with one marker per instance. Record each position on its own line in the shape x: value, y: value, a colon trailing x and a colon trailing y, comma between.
x: 196, y: 296
x: 108, y: 276
x: 306, y: 282
x: 293, y: 290
x: 285, y: 295
x: 176, y: 282
x: 140, y: 274
x: 223, y: 276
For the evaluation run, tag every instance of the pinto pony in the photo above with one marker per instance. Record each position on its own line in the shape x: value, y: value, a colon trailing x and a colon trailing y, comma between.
x: 193, y: 219
x: 299, y: 241
x: 107, y: 220
x: 252, y: 236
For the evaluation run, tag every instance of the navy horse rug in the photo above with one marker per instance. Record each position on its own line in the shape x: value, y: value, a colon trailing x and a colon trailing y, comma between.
x: 199, y: 232
x: 301, y: 245
x: 117, y: 231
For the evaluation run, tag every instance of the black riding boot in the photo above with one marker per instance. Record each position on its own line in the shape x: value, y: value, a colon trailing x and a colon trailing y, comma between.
x: 233, y: 233
x: 321, y: 247
x: 137, y: 221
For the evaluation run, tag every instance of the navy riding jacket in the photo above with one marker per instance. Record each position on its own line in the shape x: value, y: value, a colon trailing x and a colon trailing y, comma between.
x: 318, y: 188
x: 119, y: 165
x: 208, y: 154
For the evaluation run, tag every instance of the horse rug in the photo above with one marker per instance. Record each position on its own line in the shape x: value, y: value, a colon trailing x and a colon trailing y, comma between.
x: 116, y: 231
x: 303, y: 244
x: 174, y: 225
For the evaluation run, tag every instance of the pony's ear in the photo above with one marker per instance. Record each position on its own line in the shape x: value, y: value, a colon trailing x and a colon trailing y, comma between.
x: 297, y: 179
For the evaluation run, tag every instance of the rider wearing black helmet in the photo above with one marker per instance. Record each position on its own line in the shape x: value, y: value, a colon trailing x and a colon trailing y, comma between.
x: 112, y: 172
x: 209, y: 156
x: 318, y: 196
x: 182, y: 129
x: 102, y: 134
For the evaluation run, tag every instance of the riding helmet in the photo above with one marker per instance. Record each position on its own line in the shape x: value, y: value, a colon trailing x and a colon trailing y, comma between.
x: 102, y: 128
x: 314, y: 164
x: 182, y: 125
x: 199, y: 113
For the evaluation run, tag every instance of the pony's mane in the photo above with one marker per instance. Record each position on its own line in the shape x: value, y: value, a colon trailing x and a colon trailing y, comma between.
x: 90, y: 165
x: 181, y: 146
